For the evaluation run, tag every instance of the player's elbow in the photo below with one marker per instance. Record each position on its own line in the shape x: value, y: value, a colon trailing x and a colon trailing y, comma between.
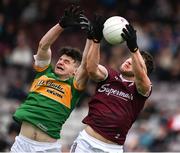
x: 91, y: 70
x: 90, y: 67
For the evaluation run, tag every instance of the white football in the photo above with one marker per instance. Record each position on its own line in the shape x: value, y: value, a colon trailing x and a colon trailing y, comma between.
x: 113, y: 29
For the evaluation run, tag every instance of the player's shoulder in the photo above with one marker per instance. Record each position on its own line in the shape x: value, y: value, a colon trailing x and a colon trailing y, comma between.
x: 110, y: 74
x: 48, y: 71
x: 111, y: 71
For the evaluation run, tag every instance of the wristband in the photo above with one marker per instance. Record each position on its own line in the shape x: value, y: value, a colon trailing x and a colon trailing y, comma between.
x: 96, y: 41
x: 135, y: 50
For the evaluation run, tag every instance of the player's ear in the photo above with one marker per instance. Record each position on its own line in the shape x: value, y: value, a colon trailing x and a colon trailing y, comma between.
x: 75, y: 70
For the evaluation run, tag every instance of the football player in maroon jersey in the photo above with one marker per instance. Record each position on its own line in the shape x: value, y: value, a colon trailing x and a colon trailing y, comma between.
x: 119, y: 96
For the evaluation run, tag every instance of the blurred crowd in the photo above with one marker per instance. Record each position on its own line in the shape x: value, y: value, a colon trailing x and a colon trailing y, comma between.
x: 24, y: 22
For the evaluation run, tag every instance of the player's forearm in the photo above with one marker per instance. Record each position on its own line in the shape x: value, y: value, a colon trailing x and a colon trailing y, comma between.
x: 81, y: 74
x: 49, y: 38
x: 85, y: 53
x: 138, y: 65
x: 93, y: 58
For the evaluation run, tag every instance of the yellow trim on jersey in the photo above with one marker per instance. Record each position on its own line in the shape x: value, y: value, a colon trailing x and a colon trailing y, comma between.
x: 40, y: 69
x: 53, y: 89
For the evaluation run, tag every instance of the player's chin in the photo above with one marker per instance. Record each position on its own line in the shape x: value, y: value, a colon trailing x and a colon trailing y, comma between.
x: 127, y: 73
x: 58, y: 72
x: 123, y: 69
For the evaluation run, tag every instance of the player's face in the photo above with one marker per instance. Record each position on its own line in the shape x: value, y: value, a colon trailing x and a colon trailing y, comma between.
x: 126, y: 68
x: 65, y: 66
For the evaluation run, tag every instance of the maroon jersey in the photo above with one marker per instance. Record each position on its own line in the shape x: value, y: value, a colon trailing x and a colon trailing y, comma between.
x: 114, y: 107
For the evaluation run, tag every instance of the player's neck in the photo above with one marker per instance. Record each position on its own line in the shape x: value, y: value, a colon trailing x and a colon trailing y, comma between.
x: 64, y: 77
x: 128, y: 78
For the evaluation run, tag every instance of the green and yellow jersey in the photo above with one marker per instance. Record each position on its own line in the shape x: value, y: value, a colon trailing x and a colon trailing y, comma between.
x: 49, y: 102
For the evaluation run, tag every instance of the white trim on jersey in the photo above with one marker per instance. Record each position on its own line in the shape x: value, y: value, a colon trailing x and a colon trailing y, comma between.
x: 41, y: 63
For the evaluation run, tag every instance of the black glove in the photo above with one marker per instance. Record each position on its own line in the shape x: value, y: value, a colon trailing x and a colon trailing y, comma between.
x: 97, y: 27
x: 129, y: 35
x: 86, y: 25
x: 71, y: 17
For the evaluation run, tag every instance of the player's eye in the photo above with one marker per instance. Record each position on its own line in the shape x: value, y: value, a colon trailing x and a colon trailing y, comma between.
x: 66, y: 61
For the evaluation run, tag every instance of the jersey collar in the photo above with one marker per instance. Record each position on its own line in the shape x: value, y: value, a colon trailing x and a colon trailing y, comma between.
x: 124, y: 80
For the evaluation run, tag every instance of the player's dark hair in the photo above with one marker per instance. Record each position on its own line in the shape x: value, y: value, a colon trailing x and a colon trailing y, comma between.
x: 74, y: 53
x: 148, y: 61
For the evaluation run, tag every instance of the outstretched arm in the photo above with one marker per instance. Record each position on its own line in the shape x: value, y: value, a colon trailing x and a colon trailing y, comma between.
x: 70, y: 18
x: 142, y: 80
x: 96, y: 71
x: 81, y: 75
x: 44, y: 51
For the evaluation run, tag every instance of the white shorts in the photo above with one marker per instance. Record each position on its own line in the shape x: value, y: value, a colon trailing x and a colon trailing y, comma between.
x: 88, y: 144
x: 24, y: 144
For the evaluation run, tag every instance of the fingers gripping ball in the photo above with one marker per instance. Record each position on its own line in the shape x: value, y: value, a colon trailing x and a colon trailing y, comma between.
x: 113, y: 28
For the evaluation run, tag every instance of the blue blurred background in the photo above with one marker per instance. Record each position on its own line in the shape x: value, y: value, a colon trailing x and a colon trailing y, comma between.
x: 24, y: 22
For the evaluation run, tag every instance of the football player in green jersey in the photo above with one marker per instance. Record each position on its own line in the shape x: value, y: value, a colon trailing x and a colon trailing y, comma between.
x: 54, y: 92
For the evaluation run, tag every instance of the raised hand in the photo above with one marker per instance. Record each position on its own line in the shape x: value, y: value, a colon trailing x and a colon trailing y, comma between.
x: 98, y: 25
x: 86, y: 25
x: 71, y: 17
x: 129, y: 35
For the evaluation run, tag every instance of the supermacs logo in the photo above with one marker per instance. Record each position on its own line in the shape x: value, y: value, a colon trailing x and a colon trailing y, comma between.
x: 114, y: 92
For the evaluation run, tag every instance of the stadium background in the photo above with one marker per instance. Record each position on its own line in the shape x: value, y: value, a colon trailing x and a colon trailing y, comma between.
x: 24, y: 22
